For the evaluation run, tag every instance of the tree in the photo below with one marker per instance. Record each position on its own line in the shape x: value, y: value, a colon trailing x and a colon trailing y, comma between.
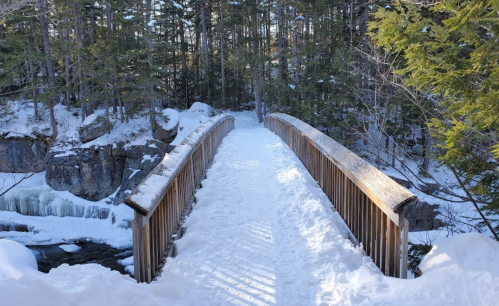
x: 449, y: 50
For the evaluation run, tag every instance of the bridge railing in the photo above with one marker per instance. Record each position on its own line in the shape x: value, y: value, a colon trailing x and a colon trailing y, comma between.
x: 371, y: 203
x: 162, y: 197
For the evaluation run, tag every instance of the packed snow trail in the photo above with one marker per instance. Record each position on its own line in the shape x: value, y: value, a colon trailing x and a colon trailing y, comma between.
x: 265, y: 231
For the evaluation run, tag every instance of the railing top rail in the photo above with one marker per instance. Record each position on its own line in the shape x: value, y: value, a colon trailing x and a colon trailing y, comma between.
x: 388, y: 194
x: 146, y: 196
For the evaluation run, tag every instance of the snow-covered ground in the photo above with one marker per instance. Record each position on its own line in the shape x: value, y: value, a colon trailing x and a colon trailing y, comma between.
x: 263, y: 233
x: 60, y: 226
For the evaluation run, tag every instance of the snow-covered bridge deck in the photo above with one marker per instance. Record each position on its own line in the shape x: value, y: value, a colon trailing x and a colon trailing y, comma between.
x: 262, y: 230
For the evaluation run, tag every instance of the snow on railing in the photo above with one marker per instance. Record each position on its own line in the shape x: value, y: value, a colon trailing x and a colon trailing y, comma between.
x: 370, y: 202
x: 162, y: 197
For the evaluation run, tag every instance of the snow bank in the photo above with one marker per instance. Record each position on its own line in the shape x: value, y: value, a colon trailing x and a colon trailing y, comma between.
x: 469, y: 252
x: 460, y: 270
x: 16, y: 260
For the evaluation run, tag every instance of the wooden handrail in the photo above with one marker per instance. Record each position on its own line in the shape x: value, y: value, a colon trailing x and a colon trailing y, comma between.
x: 162, y: 197
x: 371, y: 203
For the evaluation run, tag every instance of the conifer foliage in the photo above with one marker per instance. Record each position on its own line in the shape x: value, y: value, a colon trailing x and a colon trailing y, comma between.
x: 449, y: 50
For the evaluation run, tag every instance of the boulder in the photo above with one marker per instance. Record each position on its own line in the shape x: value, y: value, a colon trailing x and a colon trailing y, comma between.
x: 164, y: 135
x: 96, y: 173
x: 94, y: 127
x: 166, y: 125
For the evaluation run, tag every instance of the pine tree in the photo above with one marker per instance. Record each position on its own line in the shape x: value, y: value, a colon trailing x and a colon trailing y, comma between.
x: 450, y: 51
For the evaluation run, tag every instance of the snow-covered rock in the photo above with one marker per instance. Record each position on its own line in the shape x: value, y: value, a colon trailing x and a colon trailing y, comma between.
x: 94, y: 127
x: 197, y: 109
x: 166, y: 125
x: 91, y: 173
x: 190, y: 119
x: 95, y: 173
x: 70, y: 248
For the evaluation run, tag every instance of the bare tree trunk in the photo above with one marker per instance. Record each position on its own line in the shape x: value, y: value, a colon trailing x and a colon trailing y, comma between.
x: 175, y: 95
x: 268, y: 22
x: 296, y: 73
x: 121, y: 109
x: 152, y: 115
x: 425, y: 139
x: 40, y: 5
x: 351, y: 24
x: 92, y: 24
x: 78, y: 26
x: 205, y: 40
x: 197, y: 47
x: 222, y: 55
x: 256, y: 68
x: 109, y: 16
x: 280, y: 22
x: 183, y: 47
x: 31, y: 79
x: 67, y: 64
x: 234, y: 73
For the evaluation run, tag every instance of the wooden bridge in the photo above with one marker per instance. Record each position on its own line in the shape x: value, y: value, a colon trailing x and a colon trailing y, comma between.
x: 370, y: 203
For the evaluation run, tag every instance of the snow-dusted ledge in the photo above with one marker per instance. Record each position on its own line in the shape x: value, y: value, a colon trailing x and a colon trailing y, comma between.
x: 152, y: 189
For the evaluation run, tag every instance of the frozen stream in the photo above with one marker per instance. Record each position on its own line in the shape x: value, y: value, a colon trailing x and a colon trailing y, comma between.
x: 52, y: 256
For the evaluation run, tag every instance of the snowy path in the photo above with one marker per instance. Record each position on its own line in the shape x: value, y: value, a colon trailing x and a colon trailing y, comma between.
x: 262, y: 231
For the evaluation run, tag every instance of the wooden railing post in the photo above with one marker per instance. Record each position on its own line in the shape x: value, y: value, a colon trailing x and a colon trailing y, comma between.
x: 405, y: 248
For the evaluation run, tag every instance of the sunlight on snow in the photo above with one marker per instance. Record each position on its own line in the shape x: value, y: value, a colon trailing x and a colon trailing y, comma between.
x: 289, y: 174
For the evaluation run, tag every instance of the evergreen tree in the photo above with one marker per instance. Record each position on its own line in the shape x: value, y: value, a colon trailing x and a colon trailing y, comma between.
x: 449, y: 50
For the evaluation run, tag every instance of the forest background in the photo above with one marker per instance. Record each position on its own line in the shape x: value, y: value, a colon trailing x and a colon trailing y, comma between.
x: 401, y: 82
